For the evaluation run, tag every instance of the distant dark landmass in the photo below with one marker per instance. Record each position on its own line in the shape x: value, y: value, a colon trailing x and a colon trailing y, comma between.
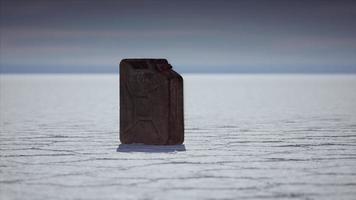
x: 182, y: 69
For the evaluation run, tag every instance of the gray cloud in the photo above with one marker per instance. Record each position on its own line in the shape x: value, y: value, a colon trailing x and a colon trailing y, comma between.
x: 202, y: 36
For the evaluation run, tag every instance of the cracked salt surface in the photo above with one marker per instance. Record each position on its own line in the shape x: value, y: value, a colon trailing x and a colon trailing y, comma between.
x: 247, y: 136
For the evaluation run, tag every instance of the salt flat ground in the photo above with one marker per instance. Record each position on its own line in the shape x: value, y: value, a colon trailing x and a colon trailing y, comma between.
x: 246, y: 137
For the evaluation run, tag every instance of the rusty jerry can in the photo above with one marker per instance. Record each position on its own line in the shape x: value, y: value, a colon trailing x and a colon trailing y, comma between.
x: 151, y: 103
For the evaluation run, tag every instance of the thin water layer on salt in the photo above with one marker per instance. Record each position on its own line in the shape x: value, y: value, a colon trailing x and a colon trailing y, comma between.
x: 247, y: 136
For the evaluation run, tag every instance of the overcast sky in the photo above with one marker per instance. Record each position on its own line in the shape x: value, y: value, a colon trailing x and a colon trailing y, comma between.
x: 195, y: 36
